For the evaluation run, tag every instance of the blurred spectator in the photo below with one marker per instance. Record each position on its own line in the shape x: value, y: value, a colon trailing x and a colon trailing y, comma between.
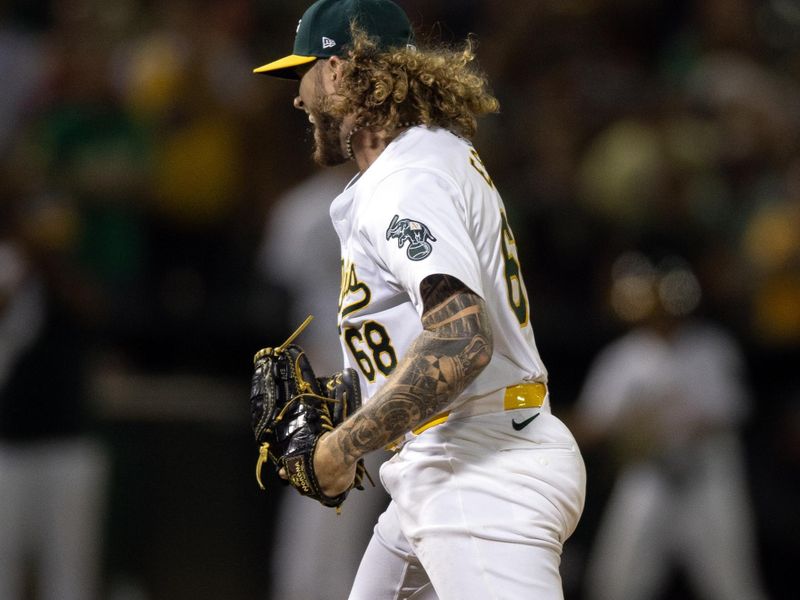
x: 669, y: 399
x: 771, y: 248
x: 22, y: 59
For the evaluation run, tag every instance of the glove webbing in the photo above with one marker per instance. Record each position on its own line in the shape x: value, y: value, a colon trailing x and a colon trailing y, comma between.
x: 263, y: 451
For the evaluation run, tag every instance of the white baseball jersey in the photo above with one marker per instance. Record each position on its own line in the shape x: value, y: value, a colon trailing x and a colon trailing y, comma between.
x: 427, y: 206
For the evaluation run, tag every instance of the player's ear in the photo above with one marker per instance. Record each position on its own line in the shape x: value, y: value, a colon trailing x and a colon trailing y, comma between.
x: 335, y: 67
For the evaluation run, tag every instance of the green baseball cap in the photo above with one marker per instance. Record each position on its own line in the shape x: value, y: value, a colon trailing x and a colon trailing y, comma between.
x: 324, y: 30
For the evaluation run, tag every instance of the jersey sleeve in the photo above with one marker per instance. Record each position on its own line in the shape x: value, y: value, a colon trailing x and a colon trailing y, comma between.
x: 417, y: 224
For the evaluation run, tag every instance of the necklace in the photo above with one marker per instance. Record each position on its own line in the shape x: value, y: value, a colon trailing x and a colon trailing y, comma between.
x: 349, y: 141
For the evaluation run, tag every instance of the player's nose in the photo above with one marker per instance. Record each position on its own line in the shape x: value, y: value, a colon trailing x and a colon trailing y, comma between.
x: 298, y: 103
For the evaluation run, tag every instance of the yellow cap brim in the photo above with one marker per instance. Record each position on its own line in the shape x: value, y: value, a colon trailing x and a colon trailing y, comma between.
x: 284, y: 67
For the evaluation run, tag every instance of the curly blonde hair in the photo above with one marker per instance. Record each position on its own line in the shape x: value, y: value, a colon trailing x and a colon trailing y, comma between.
x: 387, y: 89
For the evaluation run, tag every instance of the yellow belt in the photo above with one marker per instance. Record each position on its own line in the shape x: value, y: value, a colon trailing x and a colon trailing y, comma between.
x: 524, y: 395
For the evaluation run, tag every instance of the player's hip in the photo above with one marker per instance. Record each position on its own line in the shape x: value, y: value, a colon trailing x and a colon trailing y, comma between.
x: 506, y: 469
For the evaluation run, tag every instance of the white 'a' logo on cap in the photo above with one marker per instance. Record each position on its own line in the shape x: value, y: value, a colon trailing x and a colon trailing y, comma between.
x: 327, y: 42
x: 298, y: 26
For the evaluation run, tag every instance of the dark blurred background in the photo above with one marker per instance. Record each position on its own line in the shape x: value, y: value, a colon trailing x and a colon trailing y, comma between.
x: 139, y: 163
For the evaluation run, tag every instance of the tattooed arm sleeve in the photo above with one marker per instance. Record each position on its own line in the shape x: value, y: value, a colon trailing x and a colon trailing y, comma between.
x: 453, y: 348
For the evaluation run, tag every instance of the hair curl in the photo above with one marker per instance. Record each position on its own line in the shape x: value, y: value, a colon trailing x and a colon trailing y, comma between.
x: 439, y: 87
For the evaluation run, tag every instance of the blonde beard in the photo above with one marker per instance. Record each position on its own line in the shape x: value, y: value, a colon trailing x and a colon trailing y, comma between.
x: 328, y: 150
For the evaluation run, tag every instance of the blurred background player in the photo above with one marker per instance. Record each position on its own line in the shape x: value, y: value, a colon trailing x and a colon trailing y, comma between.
x: 53, y: 473
x: 669, y: 398
x: 300, y: 253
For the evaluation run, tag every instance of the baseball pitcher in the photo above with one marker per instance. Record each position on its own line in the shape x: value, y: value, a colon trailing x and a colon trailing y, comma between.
x: 440, y: 362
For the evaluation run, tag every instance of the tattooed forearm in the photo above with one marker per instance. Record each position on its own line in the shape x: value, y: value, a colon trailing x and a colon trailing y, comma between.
x: 453, y: 348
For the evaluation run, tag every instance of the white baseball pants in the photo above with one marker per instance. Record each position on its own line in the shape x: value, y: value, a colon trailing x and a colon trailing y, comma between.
x: 479, y: 511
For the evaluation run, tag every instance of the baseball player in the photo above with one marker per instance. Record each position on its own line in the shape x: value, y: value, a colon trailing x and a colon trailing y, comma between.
x: 486, y: 484
x: 669, y: 397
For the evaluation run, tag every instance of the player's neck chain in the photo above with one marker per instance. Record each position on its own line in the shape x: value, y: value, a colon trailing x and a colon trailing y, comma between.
x: 349, y: 141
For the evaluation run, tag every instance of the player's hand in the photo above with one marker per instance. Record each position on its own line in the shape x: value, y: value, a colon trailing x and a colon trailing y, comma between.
x: 334, y: 473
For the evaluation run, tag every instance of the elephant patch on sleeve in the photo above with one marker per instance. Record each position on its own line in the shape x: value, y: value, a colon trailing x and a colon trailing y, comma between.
x: 415, y: 233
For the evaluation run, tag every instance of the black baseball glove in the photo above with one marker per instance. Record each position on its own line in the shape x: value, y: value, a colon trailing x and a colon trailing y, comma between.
x: 291, y: 408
